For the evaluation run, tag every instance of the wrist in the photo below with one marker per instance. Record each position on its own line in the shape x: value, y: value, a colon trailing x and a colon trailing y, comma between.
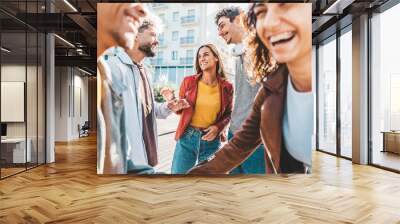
x: 169, y: 105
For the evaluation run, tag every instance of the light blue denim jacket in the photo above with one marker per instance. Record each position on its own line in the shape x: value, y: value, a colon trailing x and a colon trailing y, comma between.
x: 124, y: 122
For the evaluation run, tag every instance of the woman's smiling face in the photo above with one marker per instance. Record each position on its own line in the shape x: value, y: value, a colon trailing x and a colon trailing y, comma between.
x: 206, y: 59
x: 285, y: 29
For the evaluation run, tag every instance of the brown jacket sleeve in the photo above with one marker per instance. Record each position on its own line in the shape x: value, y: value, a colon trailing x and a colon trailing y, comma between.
x: 242, y: 145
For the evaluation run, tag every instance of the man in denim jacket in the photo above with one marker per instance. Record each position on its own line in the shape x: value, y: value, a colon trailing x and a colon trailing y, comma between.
x: 129, y: 142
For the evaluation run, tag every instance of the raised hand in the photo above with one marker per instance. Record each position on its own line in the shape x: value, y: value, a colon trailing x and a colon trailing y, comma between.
x: 167, y: 93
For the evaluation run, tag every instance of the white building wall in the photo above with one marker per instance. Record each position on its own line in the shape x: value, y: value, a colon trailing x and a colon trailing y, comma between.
x: 204, y: 27
x: 71, y: 102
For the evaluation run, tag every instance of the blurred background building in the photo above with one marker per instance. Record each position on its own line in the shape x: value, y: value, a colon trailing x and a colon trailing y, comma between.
x: 186, y: 26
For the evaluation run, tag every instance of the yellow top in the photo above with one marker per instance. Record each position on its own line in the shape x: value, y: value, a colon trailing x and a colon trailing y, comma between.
x: 207, y: 107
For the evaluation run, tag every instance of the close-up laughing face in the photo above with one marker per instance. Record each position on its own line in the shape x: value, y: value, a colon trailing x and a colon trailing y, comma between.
x: 285, y: 29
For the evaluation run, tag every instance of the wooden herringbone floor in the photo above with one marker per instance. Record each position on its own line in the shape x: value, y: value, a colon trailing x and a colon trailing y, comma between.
x: 69, y: 191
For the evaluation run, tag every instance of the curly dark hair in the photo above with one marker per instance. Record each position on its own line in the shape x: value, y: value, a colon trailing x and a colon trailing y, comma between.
x: 229, y: 12
x: 146, y: 24
x: 262, y: 62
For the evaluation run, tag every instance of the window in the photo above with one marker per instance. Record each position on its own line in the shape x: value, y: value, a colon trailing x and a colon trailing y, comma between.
x: 346, y: 75
x: 191, y: 12
x: 174, y: 55
x: 190, y: 33
x: 161, y: 39
x: 385, y: 88
x: 162, y: 17
x: 164, y: 74
x: 175, y: 16
x: 175, y: 35
x: 22, y: 76
x: 394, y: 101
x: 327, y: 96
x: 189, y: 53
x: 159, y: 54
x: 172, y: 74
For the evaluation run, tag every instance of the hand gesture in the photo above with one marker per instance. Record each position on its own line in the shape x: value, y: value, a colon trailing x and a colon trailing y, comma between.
x: 177, y: 105
x: 212, y: 132
x: 167, y: 93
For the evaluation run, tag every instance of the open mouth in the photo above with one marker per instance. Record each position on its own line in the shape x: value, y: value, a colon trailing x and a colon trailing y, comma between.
x: 281, y: 38
x: 203, y: 64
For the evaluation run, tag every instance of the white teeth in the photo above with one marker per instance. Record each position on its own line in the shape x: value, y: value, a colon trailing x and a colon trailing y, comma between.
x: 280, y: 37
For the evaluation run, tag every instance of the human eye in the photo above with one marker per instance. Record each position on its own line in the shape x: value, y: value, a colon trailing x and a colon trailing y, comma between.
x: 221, y: 26
x: 260, y: 11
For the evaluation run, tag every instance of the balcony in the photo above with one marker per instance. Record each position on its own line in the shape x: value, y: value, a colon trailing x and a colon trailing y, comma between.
x: 187, y: 40
x: 156, y: 61
x: 186, y: 61
x: 159, y: 5
x: 188, y: 19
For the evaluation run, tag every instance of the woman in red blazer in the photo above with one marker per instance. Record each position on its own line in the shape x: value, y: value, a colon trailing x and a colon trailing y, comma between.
x: 210, y: 97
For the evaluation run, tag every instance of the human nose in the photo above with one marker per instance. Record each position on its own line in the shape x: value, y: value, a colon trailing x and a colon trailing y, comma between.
x: 271, y: 20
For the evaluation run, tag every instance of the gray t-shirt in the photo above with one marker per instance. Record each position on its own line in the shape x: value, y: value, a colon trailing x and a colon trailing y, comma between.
x: 244, y: 91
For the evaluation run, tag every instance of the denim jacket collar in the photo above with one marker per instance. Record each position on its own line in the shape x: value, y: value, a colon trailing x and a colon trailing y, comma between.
x: 124, y: 57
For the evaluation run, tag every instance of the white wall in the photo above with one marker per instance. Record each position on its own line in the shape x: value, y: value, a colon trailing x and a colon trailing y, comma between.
x: 79, y: 117
x: 33, y: 127
x: 14, y: 73
x: 71, y: 94
x: 62, y: 81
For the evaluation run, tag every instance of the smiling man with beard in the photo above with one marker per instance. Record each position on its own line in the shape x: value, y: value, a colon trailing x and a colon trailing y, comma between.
x: 134, y: 100
x: 128, y: 17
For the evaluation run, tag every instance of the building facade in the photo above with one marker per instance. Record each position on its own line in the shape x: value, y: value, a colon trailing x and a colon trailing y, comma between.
x: 184, y: 30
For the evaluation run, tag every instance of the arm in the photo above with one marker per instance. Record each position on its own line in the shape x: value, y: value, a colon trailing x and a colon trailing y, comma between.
x: 161, y: 110
x: 226, y: 116
x: 182, y: 91
x: 172, y: 104
x: 111, y: 159
x: 241, y: 146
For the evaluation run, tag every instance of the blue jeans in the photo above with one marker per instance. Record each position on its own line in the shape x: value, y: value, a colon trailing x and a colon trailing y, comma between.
x: 190, y: 150
x: 255, y: 164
